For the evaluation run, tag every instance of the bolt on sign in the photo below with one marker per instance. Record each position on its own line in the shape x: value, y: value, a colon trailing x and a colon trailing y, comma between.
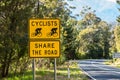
x: 44, y: 28
x: 44, y: 49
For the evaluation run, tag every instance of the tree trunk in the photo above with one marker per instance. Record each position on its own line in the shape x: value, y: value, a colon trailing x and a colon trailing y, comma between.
x: 3, y: 70
x: 16, y: 67
x: 3, y: 73
x: 7, y: 68
x: 8, y: 62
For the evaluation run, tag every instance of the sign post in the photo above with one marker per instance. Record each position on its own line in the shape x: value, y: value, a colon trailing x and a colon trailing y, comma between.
x: 68, y: 65
x: 44, y: 40
x: 55, y: 74
x: 33, y: 66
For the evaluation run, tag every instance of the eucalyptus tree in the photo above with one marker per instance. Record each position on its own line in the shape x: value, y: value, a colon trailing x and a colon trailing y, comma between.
x: 94, y: 36
x: 14, y: 15
x: 117, y: 32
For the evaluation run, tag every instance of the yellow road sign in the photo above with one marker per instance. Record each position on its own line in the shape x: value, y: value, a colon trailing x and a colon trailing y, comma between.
x: 44, y: 28
x: 44, y: 49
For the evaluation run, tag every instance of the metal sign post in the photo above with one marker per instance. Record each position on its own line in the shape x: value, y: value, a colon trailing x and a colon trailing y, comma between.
x: 68, y: 65
x: 33, y: 66
x: 55, y: 75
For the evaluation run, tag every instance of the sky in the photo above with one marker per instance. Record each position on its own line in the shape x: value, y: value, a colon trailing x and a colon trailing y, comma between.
x: 107, y: 10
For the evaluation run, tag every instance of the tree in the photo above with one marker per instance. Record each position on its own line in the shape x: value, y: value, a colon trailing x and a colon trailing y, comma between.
x: 94, y: 36
x: 14, y: 17
x: 117, y: 37
x: 59, y: 9
x: 105, y: 38
x: 69, y: 34
x: 117, y: 31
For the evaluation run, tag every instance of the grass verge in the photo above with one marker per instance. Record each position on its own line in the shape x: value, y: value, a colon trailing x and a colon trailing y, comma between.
x: 113, y: 62
x: 48, y: 74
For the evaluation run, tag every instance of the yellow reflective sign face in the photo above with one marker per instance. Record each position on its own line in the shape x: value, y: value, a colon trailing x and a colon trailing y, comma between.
x: 44, y: 29
x: 44, y: 49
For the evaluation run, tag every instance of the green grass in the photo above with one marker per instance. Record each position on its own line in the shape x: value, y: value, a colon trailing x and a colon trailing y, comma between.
x: 48, y: 74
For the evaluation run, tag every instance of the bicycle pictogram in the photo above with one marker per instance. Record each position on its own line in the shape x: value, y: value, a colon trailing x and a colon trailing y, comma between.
x: 37, y: 32
x: 53, y: 33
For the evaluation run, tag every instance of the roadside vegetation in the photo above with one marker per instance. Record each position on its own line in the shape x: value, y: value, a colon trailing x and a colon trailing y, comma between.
x: 45, y: 74
x: 87, y: 38
x: 113, y: 62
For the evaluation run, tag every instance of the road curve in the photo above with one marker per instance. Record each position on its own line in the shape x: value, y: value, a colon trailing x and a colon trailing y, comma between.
x: 96, y: 70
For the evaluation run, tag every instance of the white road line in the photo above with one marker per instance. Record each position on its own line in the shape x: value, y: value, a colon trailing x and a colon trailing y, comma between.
x: 87, y: 73
x: 104, y: 68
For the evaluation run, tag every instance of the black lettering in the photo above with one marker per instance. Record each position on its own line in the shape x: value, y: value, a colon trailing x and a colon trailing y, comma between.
x: 55, y: 23
x: 32, y: 23
x: 41, y: 23
x: 48, y: 45
x: 45, y: 52
x: 38, y: 45
x: 55, y: 52
x: 44, y: 23
x: 52, y: 45
x: 37, y: 23
x: 51, y: 23
x: 48, y: 23
x: 36, y: 52
x: 44, y: 45
x: 50, y: 52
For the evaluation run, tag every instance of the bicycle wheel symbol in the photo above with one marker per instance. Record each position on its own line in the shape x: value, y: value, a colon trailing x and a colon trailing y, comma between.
x: 37, y: 32
x: 52, y: 33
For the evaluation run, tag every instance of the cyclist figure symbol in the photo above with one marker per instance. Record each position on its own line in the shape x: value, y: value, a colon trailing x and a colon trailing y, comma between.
x: 37, y: 32
x: 52, y: 33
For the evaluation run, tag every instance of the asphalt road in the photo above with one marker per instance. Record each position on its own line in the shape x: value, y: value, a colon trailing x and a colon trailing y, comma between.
x: 96, y: 70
